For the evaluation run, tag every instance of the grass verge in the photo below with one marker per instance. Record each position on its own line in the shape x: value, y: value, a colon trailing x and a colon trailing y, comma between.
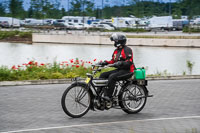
x: 15, y: 36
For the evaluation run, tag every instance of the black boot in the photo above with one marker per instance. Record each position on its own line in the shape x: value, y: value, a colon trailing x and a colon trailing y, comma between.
x: 106, y: 96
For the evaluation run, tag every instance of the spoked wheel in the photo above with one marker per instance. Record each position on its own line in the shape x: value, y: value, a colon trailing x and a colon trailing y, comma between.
x: 76, y: 101
x: 133, y: 99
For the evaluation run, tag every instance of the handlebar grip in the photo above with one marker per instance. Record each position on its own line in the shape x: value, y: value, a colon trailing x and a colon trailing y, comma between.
x: 110, y: 65
x: 98, y: 65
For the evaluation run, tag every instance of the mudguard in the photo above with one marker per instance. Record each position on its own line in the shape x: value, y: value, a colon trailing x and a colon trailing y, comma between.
x: 143, y: 85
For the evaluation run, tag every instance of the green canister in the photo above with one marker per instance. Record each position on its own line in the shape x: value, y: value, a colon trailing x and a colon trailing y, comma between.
x: 139, y: 73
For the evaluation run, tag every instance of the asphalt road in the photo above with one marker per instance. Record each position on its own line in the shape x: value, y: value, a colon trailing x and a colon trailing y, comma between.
x: 175, y: 108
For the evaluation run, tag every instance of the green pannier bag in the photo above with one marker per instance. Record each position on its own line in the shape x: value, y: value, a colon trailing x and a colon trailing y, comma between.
x: 139, y: 73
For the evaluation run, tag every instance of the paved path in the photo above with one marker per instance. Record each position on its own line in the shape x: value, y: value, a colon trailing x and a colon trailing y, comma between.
x: 175, y: 108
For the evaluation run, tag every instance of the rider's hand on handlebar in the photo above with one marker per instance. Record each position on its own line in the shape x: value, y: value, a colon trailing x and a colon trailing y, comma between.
x: 118, y: 64
x: 103, y: 63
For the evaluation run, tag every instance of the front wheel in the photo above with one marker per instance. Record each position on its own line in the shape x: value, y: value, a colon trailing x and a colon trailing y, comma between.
x: 133, y: 99
x: 76, y: 100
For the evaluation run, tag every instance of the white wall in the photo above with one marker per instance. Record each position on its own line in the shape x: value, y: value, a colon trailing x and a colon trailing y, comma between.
x: 105, y: 40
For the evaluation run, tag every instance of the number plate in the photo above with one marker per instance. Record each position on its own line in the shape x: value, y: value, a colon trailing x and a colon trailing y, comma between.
x: 87, y: 80
x: 142, y: 82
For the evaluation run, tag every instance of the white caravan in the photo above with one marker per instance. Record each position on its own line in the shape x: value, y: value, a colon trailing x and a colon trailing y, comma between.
x: 32, y: 21
x: 163, y: 23
x: 197, y: 21
x: 10, y: 22
x: 78, y: 19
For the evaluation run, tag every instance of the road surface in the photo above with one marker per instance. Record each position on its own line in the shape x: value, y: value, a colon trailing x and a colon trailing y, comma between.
x: 175, y: 108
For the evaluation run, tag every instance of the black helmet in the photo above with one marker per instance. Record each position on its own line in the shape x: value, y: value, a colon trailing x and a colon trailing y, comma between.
x: 119, y: 39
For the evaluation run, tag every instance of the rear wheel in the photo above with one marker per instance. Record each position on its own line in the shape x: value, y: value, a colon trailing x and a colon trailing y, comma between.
x: 76, y: 101
x: 133, y: 99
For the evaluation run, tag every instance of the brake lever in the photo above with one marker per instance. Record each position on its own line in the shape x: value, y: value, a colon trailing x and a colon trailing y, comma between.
x: 109, y: 65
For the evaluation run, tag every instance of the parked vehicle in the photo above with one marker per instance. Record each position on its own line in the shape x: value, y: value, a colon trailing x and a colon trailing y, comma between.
x: 8, y: 22
x: 81, y: 26
x: 94, y: 24
x: 33, y: 22
x: 5, y: 24
x: 22, y: 23
x: 179, y: 24
x: 78, y: 19
x: 196, y: 21
x: 103, y: 25
x: 142, y: 22
x: 106, y: 26
x: 48, y: 21
x: 124, y: 22
x: 163, y: 23
x: 60, y: 23
x: 107, y: 23
x: 69, y: 25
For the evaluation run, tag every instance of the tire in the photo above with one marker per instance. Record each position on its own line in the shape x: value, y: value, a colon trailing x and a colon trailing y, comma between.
x: 129, y: 99
x: 76, y: 100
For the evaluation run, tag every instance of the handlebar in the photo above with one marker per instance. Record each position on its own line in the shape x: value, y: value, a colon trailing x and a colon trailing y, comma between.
x: 97, y: 65
x: 110, y: 65
x: 97, y: 69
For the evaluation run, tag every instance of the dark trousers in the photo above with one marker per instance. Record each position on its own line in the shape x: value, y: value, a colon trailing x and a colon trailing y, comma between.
x: 113, y: 76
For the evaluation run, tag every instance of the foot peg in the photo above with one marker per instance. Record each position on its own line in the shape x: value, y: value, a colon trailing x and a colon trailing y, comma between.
x: 106, y: 98
x: 149, y: 95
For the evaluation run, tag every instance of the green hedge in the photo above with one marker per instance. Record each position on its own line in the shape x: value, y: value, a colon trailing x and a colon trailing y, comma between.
x: 8, y: 34
x: 132, y: 30
x: 191, y: 30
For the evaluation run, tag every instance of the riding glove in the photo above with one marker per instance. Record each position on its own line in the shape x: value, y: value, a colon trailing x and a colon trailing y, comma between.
x: 118, y: 64
x: 103, y: 63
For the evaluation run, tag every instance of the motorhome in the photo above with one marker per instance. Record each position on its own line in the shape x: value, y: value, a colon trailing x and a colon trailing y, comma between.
x: 8, y: 22
x: 78, y: 19
x: 59, y: 23
x: 33, y: 22
x: 196, y: 21
x: 162, y: 22
x: 124, y: 22
x: 143, y: 22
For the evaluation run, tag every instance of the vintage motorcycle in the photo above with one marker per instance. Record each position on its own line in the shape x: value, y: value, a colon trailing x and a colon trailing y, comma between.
x: 130, y: 95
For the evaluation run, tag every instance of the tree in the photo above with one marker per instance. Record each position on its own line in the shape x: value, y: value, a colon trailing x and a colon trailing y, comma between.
x: 30, y: 12
x: 138, y: 8
x: 75, y: 8
x: 41, y: 9
x: 36, y: 8
x: 44, y: 9
x: 2, y: 10
x: 89, y: 8
x: 190, y: 7
x: 63, y: 12
x: 82, y: 8
x: 16, y: 8
x: 176, y: 11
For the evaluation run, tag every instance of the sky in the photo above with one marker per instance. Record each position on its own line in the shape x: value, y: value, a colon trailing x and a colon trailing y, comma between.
x: 98, y: 3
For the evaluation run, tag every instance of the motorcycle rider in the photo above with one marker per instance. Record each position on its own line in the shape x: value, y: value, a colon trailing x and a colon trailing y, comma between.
x: 122, y: 59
